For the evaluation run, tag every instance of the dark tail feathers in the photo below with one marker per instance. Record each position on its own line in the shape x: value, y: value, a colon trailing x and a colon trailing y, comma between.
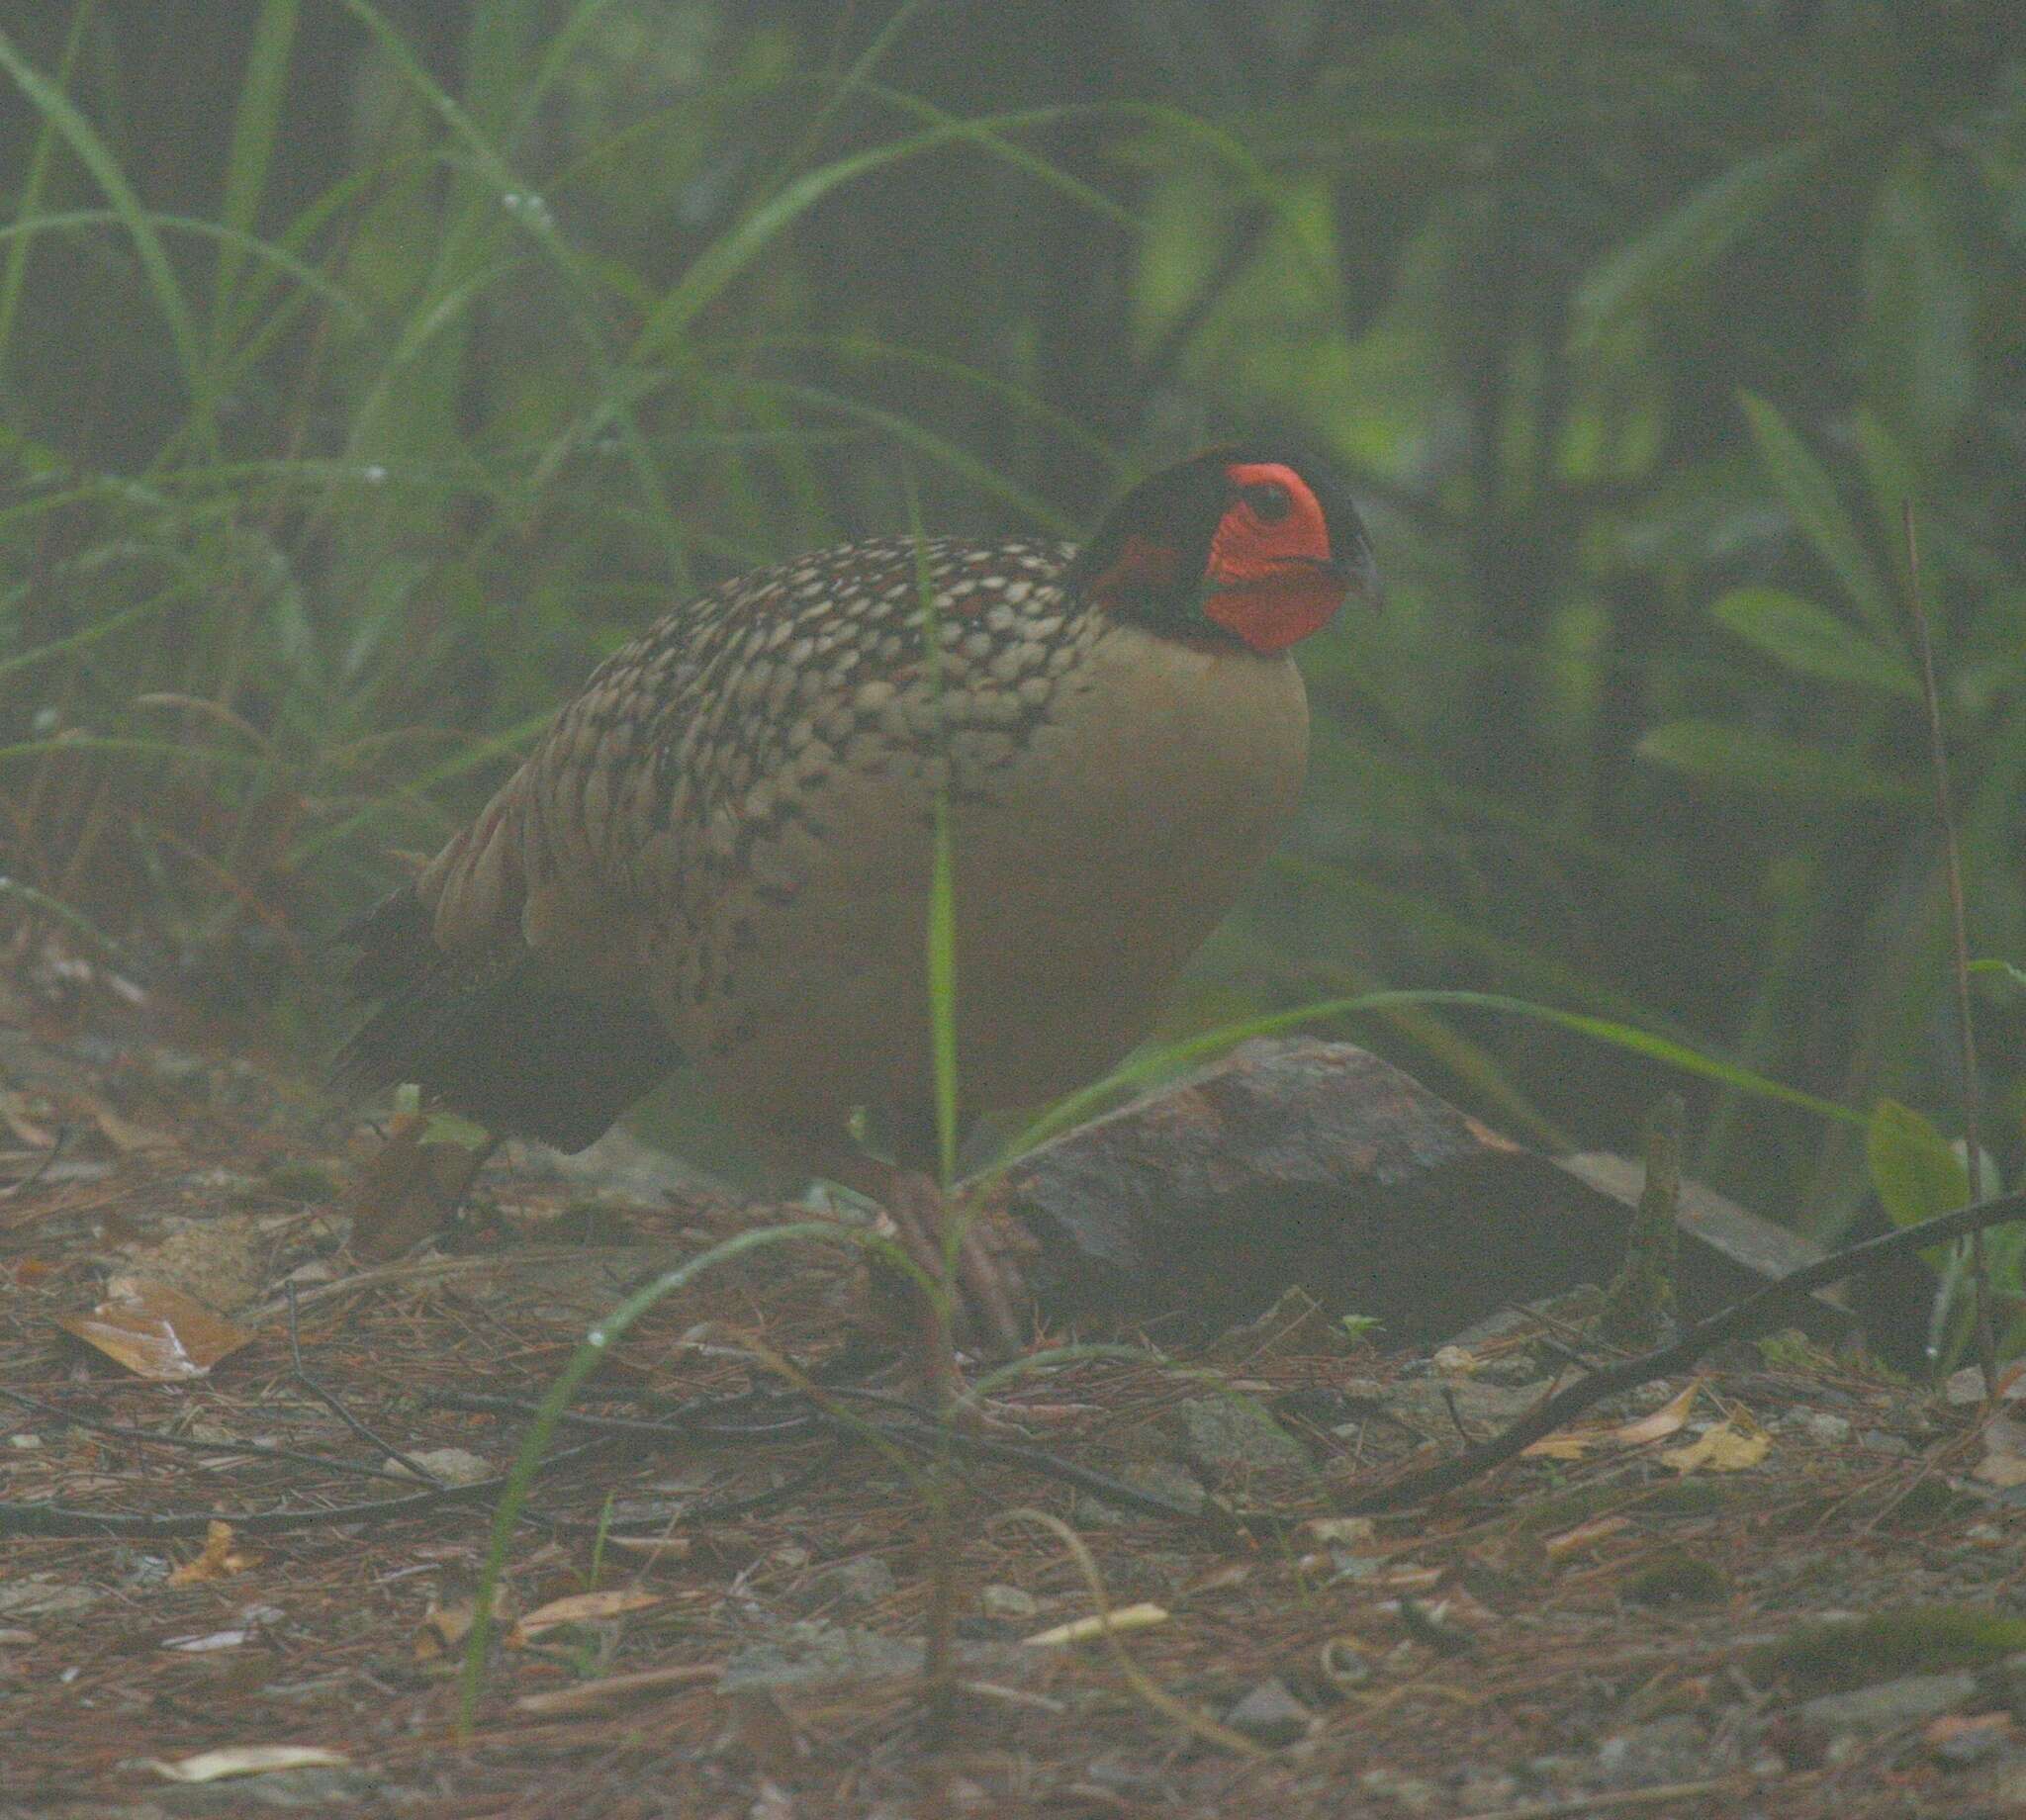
x: 496, y: 1041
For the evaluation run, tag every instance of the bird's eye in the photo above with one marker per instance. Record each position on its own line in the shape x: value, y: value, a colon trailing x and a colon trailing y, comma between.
x: 1270, y: 501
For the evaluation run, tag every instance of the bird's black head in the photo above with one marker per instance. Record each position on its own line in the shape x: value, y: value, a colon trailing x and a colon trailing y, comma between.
x: 1245, y: 544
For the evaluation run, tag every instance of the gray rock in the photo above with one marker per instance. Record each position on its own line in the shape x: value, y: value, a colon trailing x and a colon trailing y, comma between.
x: 1163, y: 1478
x: 1887, y: 1705
x: 814, y: 1654
x: 1411, y: 1793
x: 42, y: 1596
x: 1233, y: 1434
x: 1270, y: 1715
x: 998, y: 1602
x: 1425, y: 1403
x: 865, y: 1580
x: 449, y: 1465
x: 1675, y: 1749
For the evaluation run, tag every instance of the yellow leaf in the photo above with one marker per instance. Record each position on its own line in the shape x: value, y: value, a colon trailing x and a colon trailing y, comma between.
x: 215, y: 1561
x: 1662, y: 1422
x: 1725, y: 1448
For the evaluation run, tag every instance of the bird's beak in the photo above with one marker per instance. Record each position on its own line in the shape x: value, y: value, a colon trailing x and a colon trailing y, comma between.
x: 1358, y: 571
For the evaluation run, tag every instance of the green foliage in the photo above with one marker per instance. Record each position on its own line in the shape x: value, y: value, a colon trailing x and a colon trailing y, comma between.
x: 1917, y: 1173
x: 368, y: 370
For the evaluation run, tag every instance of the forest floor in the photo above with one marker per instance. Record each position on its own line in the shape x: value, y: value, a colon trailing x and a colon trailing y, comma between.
x: 1790, y: 1587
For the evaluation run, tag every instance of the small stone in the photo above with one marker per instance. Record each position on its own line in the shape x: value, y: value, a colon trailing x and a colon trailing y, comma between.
x: 814, y: 1654
x: 1825, y: 1429
x: 1434, y: 1405
x: 1411, y: 1794
x: 1675, y: 1749
x: 1341, y: 1532
x: 997, y: 1602
x: 863, y: 1581
x: 42, y: 1596
x: 1270, y: 1715
x: 1889, y: 1705
x: 1231, y: 1435
x: 450, y: 1465
x: 1162, y: 1478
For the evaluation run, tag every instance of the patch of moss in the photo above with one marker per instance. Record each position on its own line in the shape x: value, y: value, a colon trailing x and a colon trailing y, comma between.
x: 1678, y: 1578
x: 1915, y: 1640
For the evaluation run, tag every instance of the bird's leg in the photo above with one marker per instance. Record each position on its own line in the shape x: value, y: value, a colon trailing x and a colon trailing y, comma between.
x: 972, y: 1286
x: 950, y: 1234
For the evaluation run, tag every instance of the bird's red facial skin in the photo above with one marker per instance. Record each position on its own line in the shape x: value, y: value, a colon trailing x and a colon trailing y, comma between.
x: 1269, y: 578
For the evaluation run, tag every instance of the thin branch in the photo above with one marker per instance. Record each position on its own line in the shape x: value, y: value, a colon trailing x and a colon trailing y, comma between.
x: 1755, y: 1314
x: 53, y: 1520
x: 338, y: 1409
x: 1952, y: 850
x: 150, y: 1437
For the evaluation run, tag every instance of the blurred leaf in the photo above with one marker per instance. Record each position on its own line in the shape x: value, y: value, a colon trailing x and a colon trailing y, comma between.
x: 1769, y: 764
x: 1919, y: 357
x: 1667, y: 256
x: 1913, y: 1167
x: 1811, y: 641
x: 1820, y: 513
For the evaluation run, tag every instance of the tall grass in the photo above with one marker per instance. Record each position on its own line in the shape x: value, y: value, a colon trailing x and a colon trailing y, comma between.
x: 320, y: 482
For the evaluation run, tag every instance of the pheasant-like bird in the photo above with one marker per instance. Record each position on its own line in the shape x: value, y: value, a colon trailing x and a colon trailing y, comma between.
x: 721, y: 850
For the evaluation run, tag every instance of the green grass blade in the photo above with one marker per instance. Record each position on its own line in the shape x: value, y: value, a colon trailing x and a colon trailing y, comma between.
x: 1089, y: 1100
x: 498, y: 178
x: 941, y: 933
x: 587, y: 1358
x: 15, y: 274
x: 235, y: 240
x: 944, y: 453
x: 726, y: 258
x: 254, y: 128
x: 91, y: 151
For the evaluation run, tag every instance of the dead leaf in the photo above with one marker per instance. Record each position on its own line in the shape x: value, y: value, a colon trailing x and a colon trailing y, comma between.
x: 1584, y: 1534
x: 123, y: 1133
x: 157, y: 1330
x: 218, y: 1559
x: 1952, y: 1725
x: 652, y: 1551
x: 1574, y: 1444
x: 1081, y: 1630
x: 1725, y: 1448
x: 1670, y: 1419
x: 580, y: 1609
x: 617, y: 1689
x: 248, y: 1759
x: 405, y: 1190
x: 452, y: 1611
